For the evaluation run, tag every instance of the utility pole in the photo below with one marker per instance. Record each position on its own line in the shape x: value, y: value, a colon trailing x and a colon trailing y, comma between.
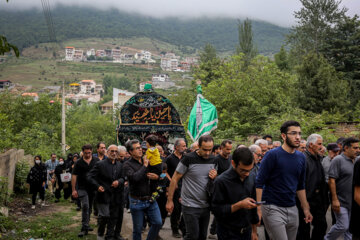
x: 63, y: 144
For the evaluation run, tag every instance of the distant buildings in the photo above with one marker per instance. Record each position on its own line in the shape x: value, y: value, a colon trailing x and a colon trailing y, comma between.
x: 86, y: 89
x: 5, y: 84
x: 33, y: 95
x: 170, y: 62
x: 51, y: 89
x: 119, y: 98
x: 69, y: 53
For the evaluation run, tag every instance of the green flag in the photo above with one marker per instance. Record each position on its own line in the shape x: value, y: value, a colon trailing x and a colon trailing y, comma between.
x: 203, y: 117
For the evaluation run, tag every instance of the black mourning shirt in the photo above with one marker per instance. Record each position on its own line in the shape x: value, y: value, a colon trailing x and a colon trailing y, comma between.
x: 136, y: 172
x: 81, y: 169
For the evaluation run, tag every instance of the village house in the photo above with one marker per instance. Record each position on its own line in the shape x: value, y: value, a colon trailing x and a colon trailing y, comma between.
x: 69, y: 53
x: 33, y: 95
x: 100, y: 53
x: 162, y: 81
x: 116, y: 55
x: 78, y: 55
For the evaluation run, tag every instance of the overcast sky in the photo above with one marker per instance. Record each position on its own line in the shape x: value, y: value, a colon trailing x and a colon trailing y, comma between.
x: 276, y: 11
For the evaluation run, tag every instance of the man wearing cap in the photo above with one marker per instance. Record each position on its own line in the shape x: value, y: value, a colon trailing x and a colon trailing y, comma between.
x: 333, y: 151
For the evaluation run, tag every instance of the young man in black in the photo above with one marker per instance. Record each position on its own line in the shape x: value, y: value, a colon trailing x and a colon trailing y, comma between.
x: 84, y: 191
x: 233, y: 202
x: 107, y: 177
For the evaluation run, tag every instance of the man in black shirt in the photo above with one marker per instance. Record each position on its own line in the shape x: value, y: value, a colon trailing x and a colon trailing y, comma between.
x: 222, y: 162
x: 107, y: 177
x: 316, y: 192
x: 136, y: 170
x: 172, y: 161
x: 85, y: 192
x: 233, y: 201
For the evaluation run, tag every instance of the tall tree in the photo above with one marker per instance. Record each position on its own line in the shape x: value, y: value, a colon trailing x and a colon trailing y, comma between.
x: 246, y: 43
x: 6, y: 47
x: 342, y: 50
x: 209, y: 63
x: 281, y: 59
x: 314, y: 21
x: 320, y: 87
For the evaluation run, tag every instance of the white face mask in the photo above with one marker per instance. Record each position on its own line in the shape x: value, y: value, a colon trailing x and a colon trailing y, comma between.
x: 37, y: 161
x: 61, y: 163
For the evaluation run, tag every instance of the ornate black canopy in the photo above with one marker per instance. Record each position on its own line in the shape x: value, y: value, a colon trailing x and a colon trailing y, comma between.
x: 149, y: 113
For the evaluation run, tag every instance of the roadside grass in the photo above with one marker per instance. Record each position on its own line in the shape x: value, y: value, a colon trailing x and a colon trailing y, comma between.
x: 60, y: 221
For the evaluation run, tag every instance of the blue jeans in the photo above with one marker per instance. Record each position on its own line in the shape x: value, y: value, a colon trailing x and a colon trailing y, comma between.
x: 138, y: 208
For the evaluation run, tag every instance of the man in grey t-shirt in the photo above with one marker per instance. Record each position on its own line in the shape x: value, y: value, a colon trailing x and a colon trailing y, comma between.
x: 333, y: 150
x: 340, y: 184
x: 196, y: 169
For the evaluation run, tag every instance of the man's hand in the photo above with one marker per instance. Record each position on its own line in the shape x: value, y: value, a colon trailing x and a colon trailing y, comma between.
x: 75, y: 194
x: 126, y: 183
x: 335, y: 205
x: 52, y: 180
x: 101, y: 189
x: 146, y: 161
x: 115, y: 184
x: 260, y: 215
x: 247, y: 203
x: 169, y: 206
x: 43, y: 184
x: 254, y: 236
x: 152, y: 176
x: 212, y: 173
x: 308, y: 217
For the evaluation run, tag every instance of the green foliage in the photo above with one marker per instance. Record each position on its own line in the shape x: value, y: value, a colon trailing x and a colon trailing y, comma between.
x: 6, y: 140
x: 315, y: 19
x: 6, y: 47
x: 209, y: 63
x: 246, y: 44
x: 4, y: 191
x: 85, y: 124
x: 281, y: 59
x: 110, y: 82
x: 320, y: 87
x: 342, y: 50
x: 79, y: 22
x: 21, y: 171
x: 245, y: 99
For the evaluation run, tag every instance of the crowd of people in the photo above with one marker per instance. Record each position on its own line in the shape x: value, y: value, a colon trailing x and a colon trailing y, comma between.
x: 287, y: 187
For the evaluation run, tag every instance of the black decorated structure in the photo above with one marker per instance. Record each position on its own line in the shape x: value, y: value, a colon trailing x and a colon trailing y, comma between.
x: 149, y: 113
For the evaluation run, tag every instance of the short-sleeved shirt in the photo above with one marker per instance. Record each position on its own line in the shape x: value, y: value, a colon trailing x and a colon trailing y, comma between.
x: 81, y: 169
x: 195, y: 170
x: 222, y: 163
x: 326, y: 165
x: 50, y: 165
x: 355, y: 210
x: 341, y: 169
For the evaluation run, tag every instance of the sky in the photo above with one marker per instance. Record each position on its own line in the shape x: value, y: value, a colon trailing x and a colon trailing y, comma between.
x: 280, y: 12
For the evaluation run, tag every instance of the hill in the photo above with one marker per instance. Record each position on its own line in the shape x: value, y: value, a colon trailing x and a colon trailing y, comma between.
x: 26, y: 28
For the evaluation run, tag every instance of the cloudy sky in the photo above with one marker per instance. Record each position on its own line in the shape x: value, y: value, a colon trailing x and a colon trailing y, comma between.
x: 276, y: 11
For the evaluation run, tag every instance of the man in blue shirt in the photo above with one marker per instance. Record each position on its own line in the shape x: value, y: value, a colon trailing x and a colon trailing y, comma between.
x: 280, y: 178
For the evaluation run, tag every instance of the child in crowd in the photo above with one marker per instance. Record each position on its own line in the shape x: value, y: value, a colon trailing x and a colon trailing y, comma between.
x: 155, y: 166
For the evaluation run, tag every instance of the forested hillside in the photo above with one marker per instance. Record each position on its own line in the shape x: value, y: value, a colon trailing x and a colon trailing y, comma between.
x: 26, y: 28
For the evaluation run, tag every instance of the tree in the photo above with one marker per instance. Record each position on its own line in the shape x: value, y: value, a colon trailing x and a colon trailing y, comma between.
x: 209, y: 63
x: 246, y: 99
x: 314, y: 21
x: 342, y: 50
x: 320, y: 87
x: 246, y: 43
x: 281, y: 59
x: 6, y: 47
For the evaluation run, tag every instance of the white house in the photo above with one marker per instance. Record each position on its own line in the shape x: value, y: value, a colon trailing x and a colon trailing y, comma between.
x: 87, y: 86
x: 69, y: 53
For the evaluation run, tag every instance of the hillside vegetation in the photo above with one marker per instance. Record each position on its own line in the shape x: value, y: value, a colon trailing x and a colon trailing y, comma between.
x: 26, y: 28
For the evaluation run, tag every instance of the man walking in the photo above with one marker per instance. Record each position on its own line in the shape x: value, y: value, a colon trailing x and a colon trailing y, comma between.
x: 333, y: 151
x: 136, y: 170
x: 233, y: 202
x: 281, y: 177
x: 316, y: 191
x: 50, y: 168
x: 107, y: 177
x: 85, y: 192
x: 172, y: 161
x: 222, y: 162
x: 340, y: 184
x: 196, y: 169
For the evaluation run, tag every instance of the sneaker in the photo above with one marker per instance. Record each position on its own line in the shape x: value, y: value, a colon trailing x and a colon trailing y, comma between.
x: 212, y: 236
x: 128, y: 211
x: 43, y: 204
x: 82, y: 233
x: 33, y: 207
x: 90, y: 229
x: 176, y: 235
x: 100, y: 237
x: 78, y: 208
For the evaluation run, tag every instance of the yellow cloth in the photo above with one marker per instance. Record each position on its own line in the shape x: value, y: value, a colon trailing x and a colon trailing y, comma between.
x: 153, y: 155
